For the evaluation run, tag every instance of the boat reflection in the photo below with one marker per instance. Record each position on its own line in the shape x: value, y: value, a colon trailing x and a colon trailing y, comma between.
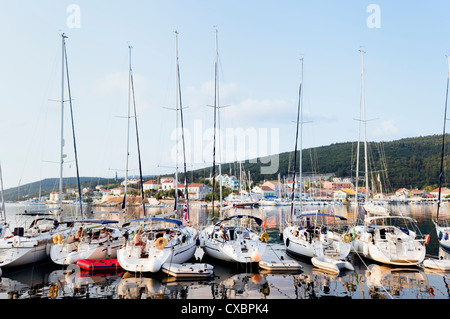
x: 392, y: 282
x: 135, y: 286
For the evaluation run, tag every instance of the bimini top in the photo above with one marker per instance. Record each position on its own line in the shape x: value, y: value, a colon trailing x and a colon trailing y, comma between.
x: 169, y: 220
x: 369, y: 219
x: 322, y: 214
x: 257, y: 220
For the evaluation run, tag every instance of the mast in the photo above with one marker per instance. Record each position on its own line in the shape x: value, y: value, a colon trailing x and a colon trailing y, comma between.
x: 359, y: 133
x: 124, y: 204
x: 443, y: 145
x: 186, y: 193
x: 365, y: 127
x: 63, y: 37
x: 214, y: 141
x: 137, y: 140
x: 73, y: 135
x: 296, y: 141
x: 216, y: 83
x: 176, y: 109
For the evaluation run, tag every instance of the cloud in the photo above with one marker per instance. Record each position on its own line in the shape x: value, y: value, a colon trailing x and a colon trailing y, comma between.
x: 386, y: 129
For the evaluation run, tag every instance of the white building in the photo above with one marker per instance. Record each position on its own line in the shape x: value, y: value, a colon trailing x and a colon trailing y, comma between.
x: 198, y: 191
x: 151, y: 184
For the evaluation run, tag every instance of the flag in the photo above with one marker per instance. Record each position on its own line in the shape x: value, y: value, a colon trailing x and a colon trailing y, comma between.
x: 185, y: 210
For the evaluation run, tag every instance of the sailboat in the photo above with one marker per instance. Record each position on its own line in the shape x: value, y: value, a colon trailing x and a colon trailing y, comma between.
x: 233, y: 239
x: 158, y: 241
x: 443, y: 227
x: 308, y: 234
x: 384, y: 238
x: 32, y: 244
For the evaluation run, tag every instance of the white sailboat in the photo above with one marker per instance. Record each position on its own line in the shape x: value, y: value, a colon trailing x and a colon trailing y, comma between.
x: 241, y: 244
x: 235, y: 239
x: 32, y: 244
x: 98, y: 240
x: 308, y: 234
x: 171, y: 242
x: 163, y: 241
x: 443, y: 226
x: 90, y: 239
x: 381, y: 237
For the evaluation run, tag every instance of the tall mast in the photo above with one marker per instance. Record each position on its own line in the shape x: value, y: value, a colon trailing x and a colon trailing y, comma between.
x: 214, y: 141
x: 63, y: 37
x: 366, y: 166
x: 296, y: 141
x: 443, y: 145
x: 186, y: 193
x: 216, y: 82
x: 301, y: 144
x: 176, y: 112
x: 359, y: 132
x: 124, y: 204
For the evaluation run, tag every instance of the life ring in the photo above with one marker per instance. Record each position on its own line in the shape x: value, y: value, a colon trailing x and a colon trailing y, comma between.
x: 57, y: 238
x: 264, y: 237
x: 347, y: 238
x: 160, y: 243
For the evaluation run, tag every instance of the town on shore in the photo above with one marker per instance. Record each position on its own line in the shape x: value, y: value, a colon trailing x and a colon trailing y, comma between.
x: 321, y: 188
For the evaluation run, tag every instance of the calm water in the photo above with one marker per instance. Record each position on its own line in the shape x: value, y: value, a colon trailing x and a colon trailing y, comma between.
x: 367, y: 281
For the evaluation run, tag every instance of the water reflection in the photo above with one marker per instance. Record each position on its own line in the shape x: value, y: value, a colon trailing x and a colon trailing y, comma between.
x: 367, y: 281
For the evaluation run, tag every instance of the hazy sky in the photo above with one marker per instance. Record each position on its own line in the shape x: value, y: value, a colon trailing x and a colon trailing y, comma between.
x: 260, y: 46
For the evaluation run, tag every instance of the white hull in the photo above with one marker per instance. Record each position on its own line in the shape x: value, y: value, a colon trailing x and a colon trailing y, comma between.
x: 27, y: 249
x: 393, y: 248
x: 68, y: 251
x: 22, y: 255
x: 135, y: 259
x: 188, y: 270
x: 331, y: 264
x: 64, y: 254
x: 237, y: 249
x: 298, y: 243
x: 437, y: 264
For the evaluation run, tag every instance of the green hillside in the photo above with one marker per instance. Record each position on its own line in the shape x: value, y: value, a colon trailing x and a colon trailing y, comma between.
x: 409, y: 162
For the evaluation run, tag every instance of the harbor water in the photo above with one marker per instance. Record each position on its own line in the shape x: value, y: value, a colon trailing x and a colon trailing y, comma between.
x: 368, y: 280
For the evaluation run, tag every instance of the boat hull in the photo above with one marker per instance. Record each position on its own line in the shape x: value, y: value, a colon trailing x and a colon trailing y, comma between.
x: 299, y: 245
x: 130, y: 257
x: 235, y: 250
x: 67, y: 254
x: 401, y: 251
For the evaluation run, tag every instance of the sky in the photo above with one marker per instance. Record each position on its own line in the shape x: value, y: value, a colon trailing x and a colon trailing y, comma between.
x: 266, y: 49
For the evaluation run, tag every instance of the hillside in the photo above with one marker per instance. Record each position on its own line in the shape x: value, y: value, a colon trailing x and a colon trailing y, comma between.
x: 410, y: 162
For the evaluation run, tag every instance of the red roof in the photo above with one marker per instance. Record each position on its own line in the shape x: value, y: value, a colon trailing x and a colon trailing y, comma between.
x: 151, y: 182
